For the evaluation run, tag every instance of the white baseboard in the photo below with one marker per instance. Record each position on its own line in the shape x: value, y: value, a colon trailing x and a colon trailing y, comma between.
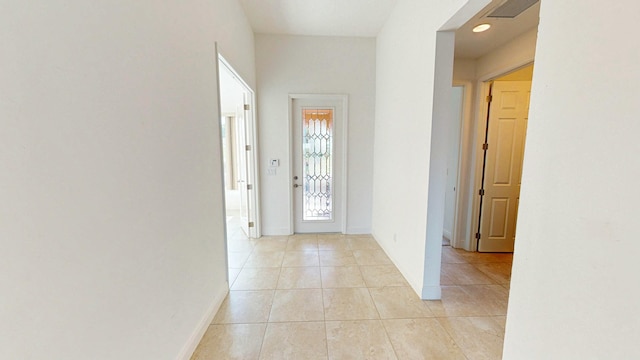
x: 431, y: 293
x: 266, y: 231
x: 358, y: 230
x: 203, y: 325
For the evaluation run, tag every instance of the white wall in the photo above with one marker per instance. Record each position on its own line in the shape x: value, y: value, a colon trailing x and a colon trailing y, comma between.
x: 517, y: 52
x: 464, y: 70
x: 111, y: 223
x: 406, y: 49
x: 325, y: 65
x: 574, y: 290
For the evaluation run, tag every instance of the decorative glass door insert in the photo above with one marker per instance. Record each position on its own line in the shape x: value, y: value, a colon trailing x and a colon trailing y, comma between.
x: 317, y: 172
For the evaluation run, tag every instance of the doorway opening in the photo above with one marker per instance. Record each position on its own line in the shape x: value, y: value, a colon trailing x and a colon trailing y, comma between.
x: 501, y: 159
x: 239, y: 157
x: 464, y: 58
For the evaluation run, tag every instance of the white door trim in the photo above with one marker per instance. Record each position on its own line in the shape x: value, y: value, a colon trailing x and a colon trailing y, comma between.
x: 254, y: 194
x: 461, y: 216
x: 343, y: 128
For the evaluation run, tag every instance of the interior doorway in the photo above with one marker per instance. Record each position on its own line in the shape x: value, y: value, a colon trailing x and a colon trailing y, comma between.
x: 238, y: 151
x: 504, y: 135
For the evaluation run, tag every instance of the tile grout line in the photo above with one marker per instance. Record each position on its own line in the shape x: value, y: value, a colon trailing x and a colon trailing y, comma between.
x: 386, y: 332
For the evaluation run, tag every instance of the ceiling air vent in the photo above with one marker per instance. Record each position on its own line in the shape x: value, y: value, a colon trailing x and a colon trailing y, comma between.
x: 511, y: 8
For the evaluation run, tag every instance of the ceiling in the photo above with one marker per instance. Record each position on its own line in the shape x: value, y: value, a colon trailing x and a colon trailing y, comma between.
x: 366, y: 18
x: 318, y: 17
x: 470, y: 45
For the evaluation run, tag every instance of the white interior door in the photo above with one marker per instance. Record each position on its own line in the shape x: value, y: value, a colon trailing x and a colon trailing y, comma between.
x: 317, y: 168
x: 503, y: 167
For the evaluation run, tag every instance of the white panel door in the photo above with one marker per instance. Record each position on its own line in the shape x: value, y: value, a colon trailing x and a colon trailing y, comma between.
x: 503, y: 167
x: 317, y: 168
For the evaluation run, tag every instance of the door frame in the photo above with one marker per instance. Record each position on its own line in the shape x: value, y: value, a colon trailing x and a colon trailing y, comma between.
x: 462, y: 172
x: 343, y: 128
x: 254, y: 194
x: 483, y: 86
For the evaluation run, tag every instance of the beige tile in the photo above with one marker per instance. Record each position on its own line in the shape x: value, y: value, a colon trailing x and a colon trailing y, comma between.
x: 231, y: 342
x: 362, y: 243
x: 421, y: 339
x: 337, y: 258
x: 455, y: 302
x: 243, y: 307
x: 399, y: 303
x: 501, y: 320
x: 238, y: 259
x: 371, y: 257
x: 360, y: 339
x: 333, y: 244
x: 267, y: 244
x: 463, y: 274
x: 295, y: 341
x: 297, y: 305
x: 265, y: 259
x: 480, y: 338
x: 382, y: 275
x: 240, y: 245
x: 303, y: 236
x: 298, y: 244
x: 341, y: 277
x: 257, y: 279
x: 348, y: 304
x: 299, y: 278
x: 330, y: 236
x: 233, y: 275
x: 451, y: 256
x: 301, y: 258
x: 500, y: 273
x: 476, y: 257
x: 493, y: 299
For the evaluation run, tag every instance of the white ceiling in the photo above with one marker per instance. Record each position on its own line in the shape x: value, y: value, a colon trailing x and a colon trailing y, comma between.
x: 318, y: 17
x: 366, y: 18
x: 470, y: 45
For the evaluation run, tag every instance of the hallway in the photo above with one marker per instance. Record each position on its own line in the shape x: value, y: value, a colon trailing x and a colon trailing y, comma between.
x: 332, y: 296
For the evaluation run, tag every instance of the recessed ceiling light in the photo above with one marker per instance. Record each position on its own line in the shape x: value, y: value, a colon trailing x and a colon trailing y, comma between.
x: 481, y: 28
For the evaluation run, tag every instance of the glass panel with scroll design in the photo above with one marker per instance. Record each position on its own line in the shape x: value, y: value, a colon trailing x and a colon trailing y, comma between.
x: 317, y: 157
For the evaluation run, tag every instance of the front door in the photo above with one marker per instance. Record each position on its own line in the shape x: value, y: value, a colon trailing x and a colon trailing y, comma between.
x: 317, y: 168
x: 503, y: 166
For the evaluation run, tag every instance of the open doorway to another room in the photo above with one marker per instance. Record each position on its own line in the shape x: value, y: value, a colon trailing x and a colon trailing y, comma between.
x: 506, y: 49
x: 239, y: 162
x: 480, y: 59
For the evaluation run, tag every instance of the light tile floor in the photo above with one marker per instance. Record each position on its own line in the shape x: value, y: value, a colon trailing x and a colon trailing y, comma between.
x: 339, y: 297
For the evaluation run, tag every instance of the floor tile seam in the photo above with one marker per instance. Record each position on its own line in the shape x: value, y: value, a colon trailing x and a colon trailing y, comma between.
x: 375, y: 305
x: 471, y: 284
x: 386, y: 332
x: 462, y: 350
x: 264, y: 336
x: 467, y: 316
x: 294, y: 321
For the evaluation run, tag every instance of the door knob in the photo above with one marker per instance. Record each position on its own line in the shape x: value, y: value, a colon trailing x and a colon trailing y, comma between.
x: 295, y: 177
x: 296, y: 185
